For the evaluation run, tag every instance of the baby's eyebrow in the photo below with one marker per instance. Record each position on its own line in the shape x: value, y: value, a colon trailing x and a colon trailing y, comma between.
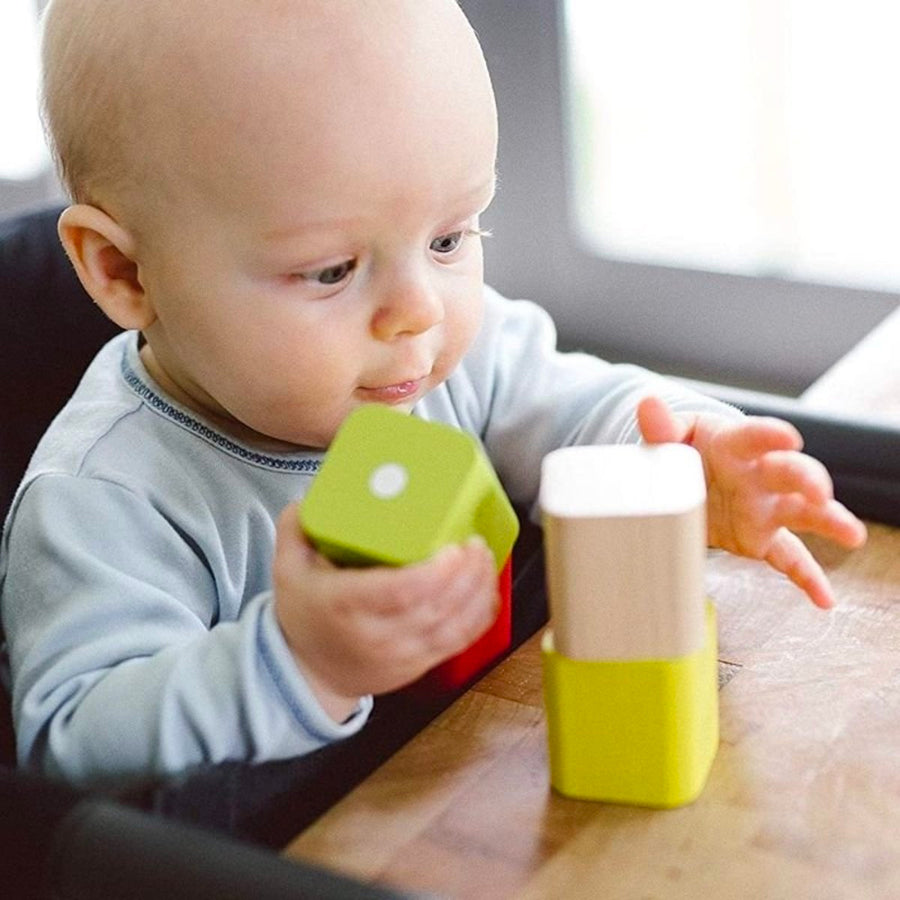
x: 475, y: 199
x: 483, y: 192
x: 487, y: 189
x: 274, y: 235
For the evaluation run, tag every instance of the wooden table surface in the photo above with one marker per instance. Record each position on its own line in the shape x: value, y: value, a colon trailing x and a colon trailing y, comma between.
x: 803, y: 799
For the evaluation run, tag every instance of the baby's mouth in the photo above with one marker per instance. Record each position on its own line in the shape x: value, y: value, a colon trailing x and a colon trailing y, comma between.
x: 399, y: 392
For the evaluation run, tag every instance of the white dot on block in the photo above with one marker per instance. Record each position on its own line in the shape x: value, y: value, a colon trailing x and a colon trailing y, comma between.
x: 389, y: 480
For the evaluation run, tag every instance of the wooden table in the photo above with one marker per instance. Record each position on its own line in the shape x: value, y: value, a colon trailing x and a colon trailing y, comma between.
x: 803, y: 799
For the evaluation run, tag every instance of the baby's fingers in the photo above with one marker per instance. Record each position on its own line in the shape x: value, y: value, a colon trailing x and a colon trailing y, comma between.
x: 428, y: 590
x: 659, y: 425
x: 790, y: 556
x: 758, y: 435
x: 831, y: 520
x: 455, y: 617
x: 785, y: 472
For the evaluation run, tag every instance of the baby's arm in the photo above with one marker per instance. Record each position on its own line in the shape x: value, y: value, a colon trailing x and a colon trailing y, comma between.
x: 524, y: 399
x: 368, y: 631
x: 761, y: 489
x: 132, y: 650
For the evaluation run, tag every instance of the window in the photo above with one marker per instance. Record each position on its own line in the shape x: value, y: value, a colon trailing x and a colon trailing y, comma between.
x: 747, y: 136
x: 743, y: 302
x: 23, y: 153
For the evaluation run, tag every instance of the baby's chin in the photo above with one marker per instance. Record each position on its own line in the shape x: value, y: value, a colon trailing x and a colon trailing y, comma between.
x: 404, y: 406
x: 286, y: 441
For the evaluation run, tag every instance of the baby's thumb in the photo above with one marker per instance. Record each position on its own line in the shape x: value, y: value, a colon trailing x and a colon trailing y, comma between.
x: 658, y: 424
x: 291, y: 545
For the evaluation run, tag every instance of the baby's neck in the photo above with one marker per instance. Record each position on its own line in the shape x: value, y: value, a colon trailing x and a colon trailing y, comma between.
x: 221, y: 421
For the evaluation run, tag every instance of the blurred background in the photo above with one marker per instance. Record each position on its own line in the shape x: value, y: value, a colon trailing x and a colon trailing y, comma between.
x: 710, y: 187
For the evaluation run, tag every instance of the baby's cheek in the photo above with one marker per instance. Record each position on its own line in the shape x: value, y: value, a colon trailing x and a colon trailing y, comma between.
x: 462, y: 331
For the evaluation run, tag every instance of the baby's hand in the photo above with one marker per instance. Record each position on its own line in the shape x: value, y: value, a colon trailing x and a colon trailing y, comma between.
x: 372, y: 630
x: 760, y: 489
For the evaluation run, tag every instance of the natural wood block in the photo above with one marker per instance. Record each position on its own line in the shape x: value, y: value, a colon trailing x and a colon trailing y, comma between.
x: 625, y: 544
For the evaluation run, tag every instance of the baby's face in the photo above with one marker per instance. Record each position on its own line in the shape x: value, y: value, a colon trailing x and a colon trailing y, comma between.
x: 325, y: 249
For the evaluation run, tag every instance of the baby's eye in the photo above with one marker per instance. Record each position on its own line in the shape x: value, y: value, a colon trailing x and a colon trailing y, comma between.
x: 447, y: 243
x: 332, y: 274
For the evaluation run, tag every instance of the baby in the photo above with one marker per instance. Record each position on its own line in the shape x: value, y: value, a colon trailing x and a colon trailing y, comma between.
x: 279, y: 201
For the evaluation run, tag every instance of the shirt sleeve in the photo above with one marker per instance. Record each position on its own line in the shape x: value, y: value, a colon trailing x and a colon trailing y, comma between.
x: 120, y: 664
x: 526, y: 398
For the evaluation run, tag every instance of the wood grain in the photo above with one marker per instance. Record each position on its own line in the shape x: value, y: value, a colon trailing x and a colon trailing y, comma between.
x: 803, y: 799
x: 640, y: 576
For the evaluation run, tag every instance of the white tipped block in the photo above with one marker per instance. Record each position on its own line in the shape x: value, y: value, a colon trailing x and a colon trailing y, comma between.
x: 625, y: 547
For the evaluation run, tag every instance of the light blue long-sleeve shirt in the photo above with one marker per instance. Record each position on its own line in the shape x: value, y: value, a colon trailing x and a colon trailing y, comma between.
x: 135, y: 567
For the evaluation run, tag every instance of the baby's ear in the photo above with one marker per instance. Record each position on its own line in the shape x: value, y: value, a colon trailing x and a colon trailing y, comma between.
x: 103, y: 254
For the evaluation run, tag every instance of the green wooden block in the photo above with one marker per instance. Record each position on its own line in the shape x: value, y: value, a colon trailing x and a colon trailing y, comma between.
x: 393, y: 489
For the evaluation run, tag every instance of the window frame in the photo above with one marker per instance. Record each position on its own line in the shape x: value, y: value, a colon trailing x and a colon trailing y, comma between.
x: 765, y: 333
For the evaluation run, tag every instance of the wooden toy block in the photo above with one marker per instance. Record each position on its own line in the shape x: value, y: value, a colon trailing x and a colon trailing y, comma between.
x: 640, y: 732
x: 630, y: 677
x: 393, y: 489
x: 625, y: 542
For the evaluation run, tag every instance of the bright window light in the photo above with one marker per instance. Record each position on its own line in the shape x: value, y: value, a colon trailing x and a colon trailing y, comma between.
x: 752, y: 136
x: 23, y: 152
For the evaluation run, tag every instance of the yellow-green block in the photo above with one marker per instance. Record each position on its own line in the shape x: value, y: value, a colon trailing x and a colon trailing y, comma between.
x: 393, y: 489
x: 639, y: 732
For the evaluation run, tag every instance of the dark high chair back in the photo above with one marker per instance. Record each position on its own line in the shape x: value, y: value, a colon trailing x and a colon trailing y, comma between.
x: 49, y: 332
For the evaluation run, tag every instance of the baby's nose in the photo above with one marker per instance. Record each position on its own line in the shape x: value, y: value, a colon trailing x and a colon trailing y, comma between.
x: 411, y: 307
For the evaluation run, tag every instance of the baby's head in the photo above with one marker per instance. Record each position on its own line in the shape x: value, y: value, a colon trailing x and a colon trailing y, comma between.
x: 283, y: 195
